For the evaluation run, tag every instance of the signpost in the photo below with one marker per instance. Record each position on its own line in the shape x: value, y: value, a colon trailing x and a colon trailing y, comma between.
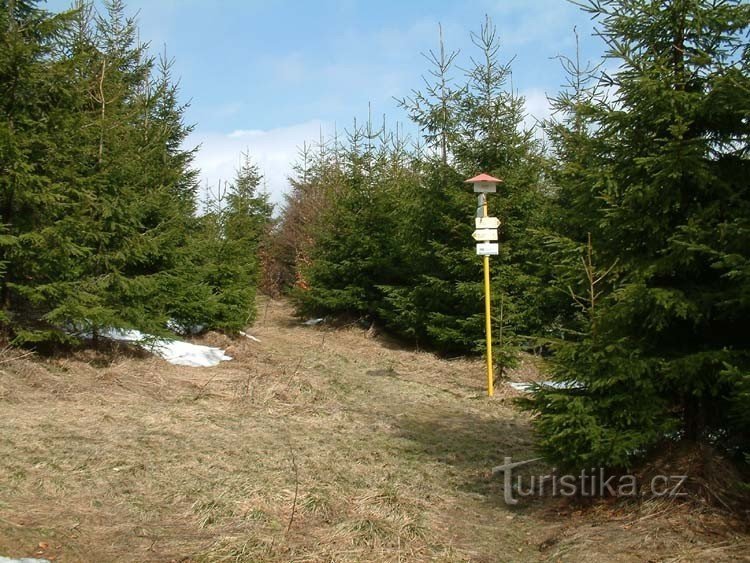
x: 486, y: 222
x: 488, y: 249
x: 485, y: 234
x: 486, y: 231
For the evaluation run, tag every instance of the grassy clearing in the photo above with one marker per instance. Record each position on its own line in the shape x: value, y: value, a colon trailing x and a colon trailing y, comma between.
x: 313, y: 445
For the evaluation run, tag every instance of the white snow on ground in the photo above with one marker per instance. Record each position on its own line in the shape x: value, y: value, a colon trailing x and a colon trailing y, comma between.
x: 174, y: 351
x: 250, y: 336
x: 526, y: 387
x: 22, y: 560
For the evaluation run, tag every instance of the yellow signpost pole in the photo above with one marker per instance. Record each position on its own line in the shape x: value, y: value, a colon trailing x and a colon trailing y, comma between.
x: 485, y: 233
x: 488, y: 316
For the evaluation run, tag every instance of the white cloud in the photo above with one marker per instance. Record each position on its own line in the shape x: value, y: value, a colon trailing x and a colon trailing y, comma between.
x: 537, y: 106
x: 274, y: 150
x: 245, y: 133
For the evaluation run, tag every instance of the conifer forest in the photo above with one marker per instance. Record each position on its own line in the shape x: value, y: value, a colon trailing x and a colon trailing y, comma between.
x: 620, y: 298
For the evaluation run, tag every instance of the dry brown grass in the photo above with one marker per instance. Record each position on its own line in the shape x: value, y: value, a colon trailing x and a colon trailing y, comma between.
x: 313, y: 445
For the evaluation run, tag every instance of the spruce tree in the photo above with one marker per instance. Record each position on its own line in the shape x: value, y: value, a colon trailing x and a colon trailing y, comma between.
x: 395, y: 242
x: 225, y: 252
x: 664, y: 353
x: 98, y: 193
x: 493, y: 137
x: 37, y: 124
x: 137, y: 181
x: 355, y: 251
x: 312, y: 191
x: 246, y: 222
x: 439, y: 303
x: 480, y: 125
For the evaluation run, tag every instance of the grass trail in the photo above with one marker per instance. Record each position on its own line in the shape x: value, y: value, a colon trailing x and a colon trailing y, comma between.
x: 312, y: 445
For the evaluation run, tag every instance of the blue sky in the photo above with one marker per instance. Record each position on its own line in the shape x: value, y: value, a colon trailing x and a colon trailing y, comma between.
x: 268, y: 75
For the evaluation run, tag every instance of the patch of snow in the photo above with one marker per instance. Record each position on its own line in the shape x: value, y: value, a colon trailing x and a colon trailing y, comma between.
x: 313, y: 322
x: 174, y: 351
x: 187, y: 354
x: 22, y: 560
x: 250, y: 336
x: 525, y: 387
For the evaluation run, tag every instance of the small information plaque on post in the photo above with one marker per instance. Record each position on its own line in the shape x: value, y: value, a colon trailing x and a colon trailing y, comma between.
x: 488, y: 249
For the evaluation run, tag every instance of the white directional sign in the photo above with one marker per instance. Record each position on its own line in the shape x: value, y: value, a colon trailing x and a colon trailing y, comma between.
x: 486, y: 222
x: 485, y: 234
x: 488, y: 249
x: 485, y: 187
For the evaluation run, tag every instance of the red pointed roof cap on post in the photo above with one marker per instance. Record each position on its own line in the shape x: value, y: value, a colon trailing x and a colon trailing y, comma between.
x: 484, y: 184
x: 482, y: 178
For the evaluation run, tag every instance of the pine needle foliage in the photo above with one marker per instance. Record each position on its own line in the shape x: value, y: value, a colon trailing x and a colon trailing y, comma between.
x: 654, y: 174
